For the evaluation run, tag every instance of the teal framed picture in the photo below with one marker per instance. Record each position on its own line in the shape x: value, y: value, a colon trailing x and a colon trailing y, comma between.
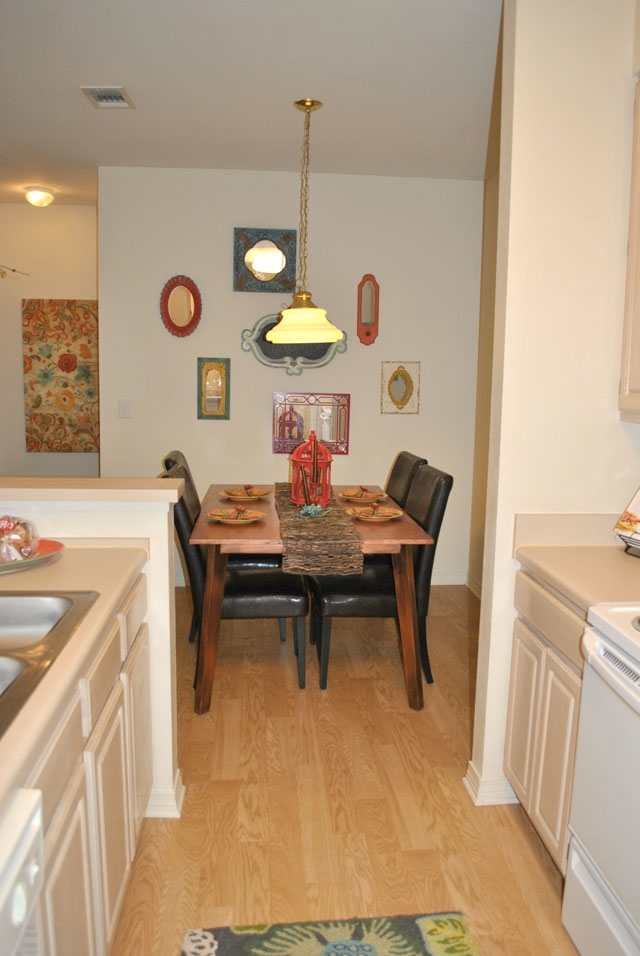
x: 213, y: 387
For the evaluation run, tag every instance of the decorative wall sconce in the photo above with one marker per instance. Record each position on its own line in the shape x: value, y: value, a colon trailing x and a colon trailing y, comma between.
x: 368, y: 303
x: 400, y: 392
x: 264, y: 260
x: 180, y: 306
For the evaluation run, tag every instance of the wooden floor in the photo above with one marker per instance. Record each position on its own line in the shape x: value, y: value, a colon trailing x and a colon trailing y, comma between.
x: 309, y: 805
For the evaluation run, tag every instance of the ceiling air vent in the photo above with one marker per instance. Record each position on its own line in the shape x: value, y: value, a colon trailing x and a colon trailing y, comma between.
x: 108, y: 97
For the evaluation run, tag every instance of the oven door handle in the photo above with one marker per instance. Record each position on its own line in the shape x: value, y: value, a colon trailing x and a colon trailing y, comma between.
x: 618, y: 671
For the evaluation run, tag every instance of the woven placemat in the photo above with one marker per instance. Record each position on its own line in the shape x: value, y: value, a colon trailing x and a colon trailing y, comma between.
x: 329, y: 544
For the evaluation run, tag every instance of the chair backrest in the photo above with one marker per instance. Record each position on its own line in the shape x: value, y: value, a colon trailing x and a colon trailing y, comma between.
x: 185, y: 514
x: 426, y: 504
x: 191, y: 497
x: 177, y: 458
x: 402, y: 473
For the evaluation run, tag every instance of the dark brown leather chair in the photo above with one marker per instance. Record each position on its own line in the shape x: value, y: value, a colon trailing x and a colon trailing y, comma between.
x: 372, y: 593
x: 402, y: 473
x: 249, y: 592
x: 192, y: 497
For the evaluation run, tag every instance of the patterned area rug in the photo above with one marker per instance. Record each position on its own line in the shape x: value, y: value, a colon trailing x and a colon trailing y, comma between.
x: 438, y: 934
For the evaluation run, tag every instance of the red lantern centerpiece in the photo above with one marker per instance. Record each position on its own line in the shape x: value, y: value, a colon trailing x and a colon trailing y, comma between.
x: 311, y: 473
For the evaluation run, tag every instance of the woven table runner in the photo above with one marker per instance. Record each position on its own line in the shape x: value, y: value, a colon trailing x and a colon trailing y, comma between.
x: 328, y: 544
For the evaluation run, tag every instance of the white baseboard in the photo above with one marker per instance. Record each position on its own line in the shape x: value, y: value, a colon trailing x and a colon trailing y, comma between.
x: 487, y: 791
x: 167, y: 803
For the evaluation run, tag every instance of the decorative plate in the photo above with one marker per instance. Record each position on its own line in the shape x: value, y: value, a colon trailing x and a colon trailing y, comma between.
x: 362, y: 494
x: 242, y: 494
x: 236, y: 516
x: 375, y: 514
x: 47, y: 551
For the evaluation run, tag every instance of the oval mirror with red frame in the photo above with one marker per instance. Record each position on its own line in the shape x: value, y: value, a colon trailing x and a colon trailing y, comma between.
x: 181, y: 306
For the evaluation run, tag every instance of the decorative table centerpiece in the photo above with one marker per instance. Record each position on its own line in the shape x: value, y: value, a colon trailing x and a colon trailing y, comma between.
x: 311, y: 473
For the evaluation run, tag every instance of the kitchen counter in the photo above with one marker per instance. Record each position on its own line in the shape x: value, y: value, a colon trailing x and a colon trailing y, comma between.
x: 585, y: 575
x: 122, y: 513
x: 111, y: 571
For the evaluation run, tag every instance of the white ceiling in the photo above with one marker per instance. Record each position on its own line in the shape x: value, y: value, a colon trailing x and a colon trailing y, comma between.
x: 406, y: 87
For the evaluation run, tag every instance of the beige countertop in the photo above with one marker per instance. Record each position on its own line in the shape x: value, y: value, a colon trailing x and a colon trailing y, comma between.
x: 91, y: 489
x: 586, y: 575
x: 111, y: 571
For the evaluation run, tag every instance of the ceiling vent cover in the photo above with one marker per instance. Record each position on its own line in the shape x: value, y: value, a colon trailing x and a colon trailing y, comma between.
x: 108, y: 97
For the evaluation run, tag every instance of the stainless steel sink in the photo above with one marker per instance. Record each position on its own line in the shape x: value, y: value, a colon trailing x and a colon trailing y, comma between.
x: 10, y: 668
x: 34, y: 627
x: 26, y: 618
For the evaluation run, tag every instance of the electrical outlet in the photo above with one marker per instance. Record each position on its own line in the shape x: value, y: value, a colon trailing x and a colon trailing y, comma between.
x: 125, y: 408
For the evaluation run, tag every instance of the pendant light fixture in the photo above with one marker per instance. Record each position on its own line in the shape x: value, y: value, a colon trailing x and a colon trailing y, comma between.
x: 303, y: 321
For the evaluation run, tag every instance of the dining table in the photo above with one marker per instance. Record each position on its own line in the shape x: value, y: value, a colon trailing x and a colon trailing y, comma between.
x: 396, y: 538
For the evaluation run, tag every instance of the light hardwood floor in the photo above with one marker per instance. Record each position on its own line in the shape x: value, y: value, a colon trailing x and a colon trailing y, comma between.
x: 309, y: 805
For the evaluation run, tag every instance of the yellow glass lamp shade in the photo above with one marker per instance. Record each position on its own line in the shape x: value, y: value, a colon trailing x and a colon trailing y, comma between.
x: 303, y: 322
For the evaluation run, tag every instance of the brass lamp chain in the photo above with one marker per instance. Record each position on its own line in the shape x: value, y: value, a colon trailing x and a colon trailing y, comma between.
x: 301, y: 285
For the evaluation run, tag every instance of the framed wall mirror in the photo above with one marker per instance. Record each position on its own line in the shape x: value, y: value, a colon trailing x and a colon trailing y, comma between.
x: 295, y: 414
x: 180, y: 306
x: 264, y: 260
x: 213, y: 388
x: 368, y: 309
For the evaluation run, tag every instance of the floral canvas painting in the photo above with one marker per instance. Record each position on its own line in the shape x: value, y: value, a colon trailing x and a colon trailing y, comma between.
x: 60, y: 339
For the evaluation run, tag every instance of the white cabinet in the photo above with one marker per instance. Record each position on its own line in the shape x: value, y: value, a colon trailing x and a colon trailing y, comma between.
x: 542, y: 717
x: 109, y: 814
x: 136, y: 678
x: 95, y: 775
x: 629, y: 398
x: 67, y: 898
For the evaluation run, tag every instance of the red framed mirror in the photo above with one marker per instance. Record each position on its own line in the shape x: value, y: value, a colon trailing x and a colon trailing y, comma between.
x: 180, y: 306
x: 368, y: 305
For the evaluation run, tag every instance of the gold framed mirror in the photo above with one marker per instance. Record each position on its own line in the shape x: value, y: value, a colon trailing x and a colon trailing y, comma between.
x: 400, y: 388
x: 213, y: 388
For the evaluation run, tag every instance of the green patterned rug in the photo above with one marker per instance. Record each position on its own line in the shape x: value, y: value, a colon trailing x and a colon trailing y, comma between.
x: 438, y: 934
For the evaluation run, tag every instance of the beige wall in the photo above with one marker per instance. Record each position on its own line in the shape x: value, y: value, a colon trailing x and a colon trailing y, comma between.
x: 57, y: 247
x: 557, y: 443
x: 420, y: 238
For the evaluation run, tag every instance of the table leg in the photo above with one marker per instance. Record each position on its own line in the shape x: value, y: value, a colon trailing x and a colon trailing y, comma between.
x: 210, y: 627
x: 408, y: 620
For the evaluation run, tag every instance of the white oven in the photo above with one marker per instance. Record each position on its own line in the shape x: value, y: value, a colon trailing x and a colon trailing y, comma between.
x: 601, y: 903
x: 21, y: 875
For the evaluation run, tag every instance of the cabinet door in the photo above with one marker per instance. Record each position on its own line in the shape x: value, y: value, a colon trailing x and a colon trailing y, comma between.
x: 67, y: 899
x: 137, y: 682
x: 522, y: 714
x: 109, y: 814
x: 555, y: 756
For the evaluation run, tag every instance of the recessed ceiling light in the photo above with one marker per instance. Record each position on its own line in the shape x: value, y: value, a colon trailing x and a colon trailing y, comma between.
x: 39, y: 197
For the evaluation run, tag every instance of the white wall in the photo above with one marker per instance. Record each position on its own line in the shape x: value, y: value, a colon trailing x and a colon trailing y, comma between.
x: 420, y: 238
x: 557, y: 443
x: 57, y: 247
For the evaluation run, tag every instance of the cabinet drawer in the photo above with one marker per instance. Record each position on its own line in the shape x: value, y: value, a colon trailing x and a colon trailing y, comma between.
x: 549, y: 616
x: 132, y: 615
x: 98, y: 684
x: 58, y: 761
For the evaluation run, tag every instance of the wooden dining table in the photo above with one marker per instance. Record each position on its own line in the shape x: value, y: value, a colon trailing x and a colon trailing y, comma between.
x: 396, y: 538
